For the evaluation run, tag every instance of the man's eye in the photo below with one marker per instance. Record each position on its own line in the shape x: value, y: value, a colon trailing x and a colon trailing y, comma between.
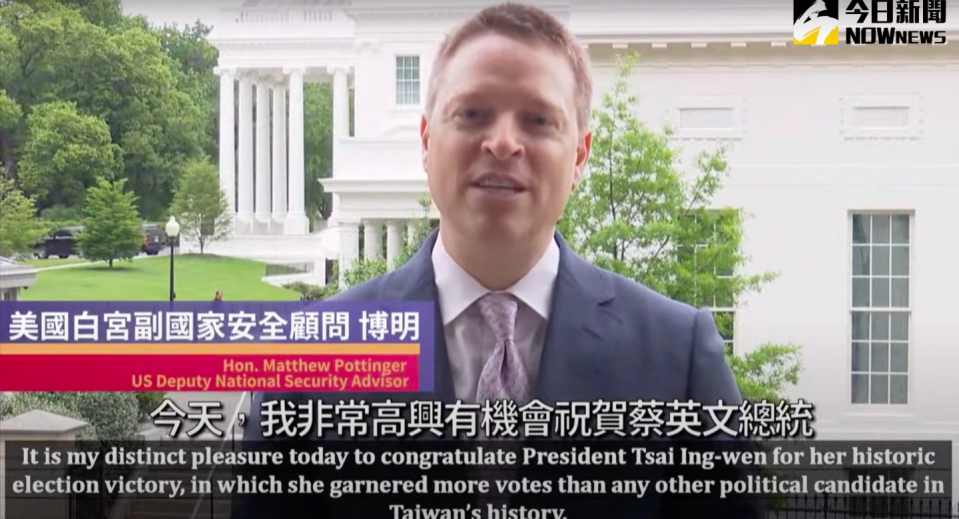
x: 539, y: 121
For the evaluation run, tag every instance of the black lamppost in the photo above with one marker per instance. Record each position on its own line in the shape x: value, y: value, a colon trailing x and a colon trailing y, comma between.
x: 172, y: 233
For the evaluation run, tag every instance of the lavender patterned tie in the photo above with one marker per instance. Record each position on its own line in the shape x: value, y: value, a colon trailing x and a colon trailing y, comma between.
x: 503, y: 375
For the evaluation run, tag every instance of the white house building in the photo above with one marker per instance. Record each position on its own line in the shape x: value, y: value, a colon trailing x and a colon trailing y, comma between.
x: 844, y: 157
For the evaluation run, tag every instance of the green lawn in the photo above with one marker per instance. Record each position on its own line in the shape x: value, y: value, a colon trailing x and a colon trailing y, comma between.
x: 51, y: 262
x: 197, y: 279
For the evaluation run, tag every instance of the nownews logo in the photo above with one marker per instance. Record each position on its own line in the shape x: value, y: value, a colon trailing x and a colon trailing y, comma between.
x: 884, y: 12
x: 870, y: 22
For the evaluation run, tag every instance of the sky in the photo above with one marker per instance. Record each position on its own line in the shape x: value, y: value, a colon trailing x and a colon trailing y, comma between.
x: 181, y: 12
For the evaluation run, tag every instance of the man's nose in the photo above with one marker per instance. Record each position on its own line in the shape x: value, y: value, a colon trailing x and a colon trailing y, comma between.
x: 504, y: 139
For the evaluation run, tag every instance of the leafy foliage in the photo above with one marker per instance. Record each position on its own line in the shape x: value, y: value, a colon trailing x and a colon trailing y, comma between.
x: 363, y: 270
x: 153, y: 87
x: 318, y: 148
x: 111, y: 68
x: 194, y: 60
x: 10, y: 111
x: 200, y: 205
x: 767, y: 372
x: 106, y: 13
x: 20, y: 403
x: 309, y: 292
x: 635, y: 213
x: 21, y: 229
x: 112, y: 225
x: 148, y: 401
x: 66, y: 153
x: 640, y: 214
x: 112, y: 416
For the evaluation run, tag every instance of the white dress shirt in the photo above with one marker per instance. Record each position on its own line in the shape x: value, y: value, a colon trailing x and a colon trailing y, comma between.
x: 469, y: 340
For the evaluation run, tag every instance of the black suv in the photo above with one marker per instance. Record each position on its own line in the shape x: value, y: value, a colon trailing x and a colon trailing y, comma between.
x: 154, y: 239
x: 62, y: 243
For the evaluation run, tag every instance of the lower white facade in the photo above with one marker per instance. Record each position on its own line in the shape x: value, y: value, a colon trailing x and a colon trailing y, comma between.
x: 15, y: 278
x: 820, y: 138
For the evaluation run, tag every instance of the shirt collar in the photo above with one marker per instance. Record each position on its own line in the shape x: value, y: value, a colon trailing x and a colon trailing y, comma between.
x: 458, y: 290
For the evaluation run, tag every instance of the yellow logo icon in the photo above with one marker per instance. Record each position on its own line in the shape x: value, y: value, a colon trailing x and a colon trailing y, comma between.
x: 816, y: 22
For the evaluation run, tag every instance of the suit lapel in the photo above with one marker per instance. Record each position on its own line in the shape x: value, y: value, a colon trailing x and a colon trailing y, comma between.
x: 578, y: 363
x: 579, y: 358
x: 415, y: 281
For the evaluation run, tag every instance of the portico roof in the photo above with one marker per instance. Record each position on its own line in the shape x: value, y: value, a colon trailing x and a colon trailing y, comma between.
x: 15, y: 275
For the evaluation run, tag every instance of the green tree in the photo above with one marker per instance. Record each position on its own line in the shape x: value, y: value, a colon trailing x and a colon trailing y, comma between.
x: 200, y: 205
x: 318, y: 148
x: 20, y: 229
x: 638, y: 214
x: 66, y: 152
x: 188, y: 46
x: 105, y: 13
x: 153, y: 86
x: 111, y: 223
x: 767, y: 372
x: 148, y: 401
x: 157, y: 122
x: 10, y: 117
x: 195, y: 59
x: 30, y: 35
x: 10, y: 112
x: 111, y: 69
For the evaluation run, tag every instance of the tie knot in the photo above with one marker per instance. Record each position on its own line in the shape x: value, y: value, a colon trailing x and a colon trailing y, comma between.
x: 499, y: 310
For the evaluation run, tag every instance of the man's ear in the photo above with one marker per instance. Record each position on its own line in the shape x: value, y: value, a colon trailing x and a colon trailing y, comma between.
x: 582, y: 157
x: 424, y: 140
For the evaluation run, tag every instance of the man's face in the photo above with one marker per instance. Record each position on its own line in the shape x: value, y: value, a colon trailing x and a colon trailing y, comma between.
x: 502, y: 149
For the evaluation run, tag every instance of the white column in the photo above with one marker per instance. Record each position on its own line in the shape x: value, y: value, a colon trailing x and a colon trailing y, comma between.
x: 245, y: 148
x: 349, y: 246
x: 263, y: 160
x: 296, y: 222
x: 372, y: 234
x: 394, y: 241
x: 341, y: 102
x: 279, y: 154
x: 227, y: 140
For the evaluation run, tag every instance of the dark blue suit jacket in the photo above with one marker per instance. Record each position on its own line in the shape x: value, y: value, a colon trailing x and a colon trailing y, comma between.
x: 608, y: 338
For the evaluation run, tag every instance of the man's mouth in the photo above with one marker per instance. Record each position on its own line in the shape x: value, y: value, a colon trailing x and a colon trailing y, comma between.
x: 499, y: 184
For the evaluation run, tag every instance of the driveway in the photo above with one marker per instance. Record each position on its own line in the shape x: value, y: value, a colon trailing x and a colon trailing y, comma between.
x: 164, y: 252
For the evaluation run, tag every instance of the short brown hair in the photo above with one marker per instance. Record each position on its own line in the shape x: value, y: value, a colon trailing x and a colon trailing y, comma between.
x: 525, y: 23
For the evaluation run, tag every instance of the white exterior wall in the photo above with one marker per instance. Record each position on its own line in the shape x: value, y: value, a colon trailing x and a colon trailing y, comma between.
x: 797, y: 171
x: 799, y: 167
x: 798, y: 164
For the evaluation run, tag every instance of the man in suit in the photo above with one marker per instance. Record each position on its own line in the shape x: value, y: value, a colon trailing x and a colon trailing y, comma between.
x: 505, y: 138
